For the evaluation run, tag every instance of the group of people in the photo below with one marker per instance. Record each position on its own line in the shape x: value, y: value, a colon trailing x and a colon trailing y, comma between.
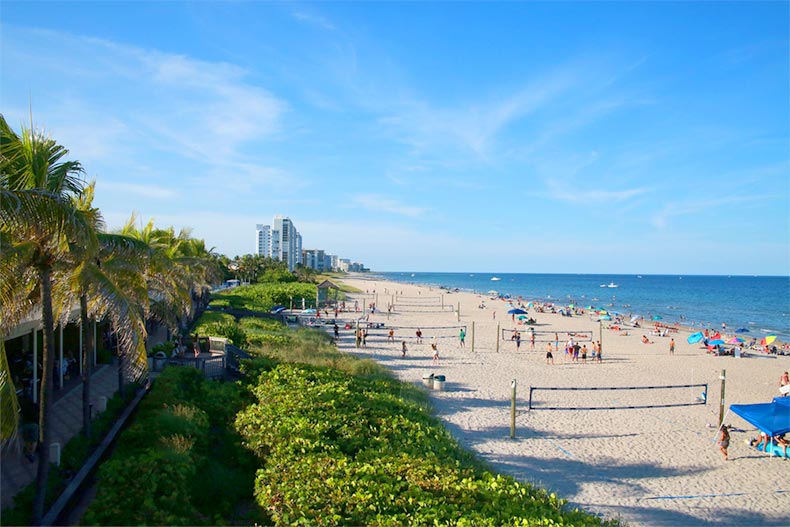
x: 578, y: 352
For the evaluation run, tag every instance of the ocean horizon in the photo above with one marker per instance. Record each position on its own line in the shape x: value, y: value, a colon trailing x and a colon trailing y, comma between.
x: 760, y: 304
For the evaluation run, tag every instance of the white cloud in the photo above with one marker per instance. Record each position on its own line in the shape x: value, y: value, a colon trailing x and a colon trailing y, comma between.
x: 568, y: 191
x: 384, y: 204
x: 145, y: 191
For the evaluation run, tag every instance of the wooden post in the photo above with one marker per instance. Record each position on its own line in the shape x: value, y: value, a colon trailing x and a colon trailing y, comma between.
x: 473, y: 336
x: 442, y: 301
x: 513, y: 410
x: 497, y: 337
x: 723, y: 378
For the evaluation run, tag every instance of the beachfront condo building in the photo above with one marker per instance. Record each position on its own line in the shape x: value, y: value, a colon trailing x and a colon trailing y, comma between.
x: 280, y: 241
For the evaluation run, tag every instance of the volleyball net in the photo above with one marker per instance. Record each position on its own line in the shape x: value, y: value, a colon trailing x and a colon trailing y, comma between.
x: 547, y: 336
x: 410, y: 332
x: 616, y: 397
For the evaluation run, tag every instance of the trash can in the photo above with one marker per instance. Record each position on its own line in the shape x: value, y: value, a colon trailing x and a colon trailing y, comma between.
x: 160, y: 357
x: 427, y: 381
x: 438, y: 382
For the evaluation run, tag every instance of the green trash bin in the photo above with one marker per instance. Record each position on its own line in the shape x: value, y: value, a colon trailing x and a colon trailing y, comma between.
x: 438, y: 382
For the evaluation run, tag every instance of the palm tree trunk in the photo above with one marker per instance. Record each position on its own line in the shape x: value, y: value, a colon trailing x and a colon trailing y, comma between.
x: 87, y: 365
x: 45, y: 397
x: 121, y: 390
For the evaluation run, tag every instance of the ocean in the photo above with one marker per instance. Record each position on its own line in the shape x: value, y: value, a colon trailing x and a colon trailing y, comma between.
x: 760, y: 304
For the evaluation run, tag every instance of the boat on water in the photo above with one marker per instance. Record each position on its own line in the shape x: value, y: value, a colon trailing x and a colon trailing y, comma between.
x: 612, y: 285
x: 495, y: 278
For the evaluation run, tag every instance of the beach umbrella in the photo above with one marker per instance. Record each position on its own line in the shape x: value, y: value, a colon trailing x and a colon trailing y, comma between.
x: 735, y: 340
x: 741, y: 330
x: 717, y: 342
x: 695, y: 337
x: 602, y: 312
x: 590, y: 307
x: 657, y: 317
x: 768, y: 340
x: 516, y: 312
x: 521, y: 317
x: 605, y: 317
x: 530, y: 304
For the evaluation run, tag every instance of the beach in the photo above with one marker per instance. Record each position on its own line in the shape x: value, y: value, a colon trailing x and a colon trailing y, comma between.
x: 645, y: 464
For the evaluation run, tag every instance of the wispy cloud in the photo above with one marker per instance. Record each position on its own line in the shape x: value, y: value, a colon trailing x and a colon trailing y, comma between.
x: 208, y: 111
x: 699, y: 205
x: 564, y: 190
x: 384, y: 204
x: 146, y: 190
x: 314, y: 20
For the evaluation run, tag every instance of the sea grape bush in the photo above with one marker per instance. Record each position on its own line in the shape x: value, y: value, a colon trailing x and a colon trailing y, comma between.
x: 339, y: 449
x: 180, y: 462
x: 262, y: 297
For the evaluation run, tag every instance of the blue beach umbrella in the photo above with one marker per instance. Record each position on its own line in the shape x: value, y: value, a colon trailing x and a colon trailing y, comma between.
x: 657, y: 317
x: 695, y: 337
x: 717, y: 342
x: 516, y: 312
x: 605, y: 317
x: 741, y: 330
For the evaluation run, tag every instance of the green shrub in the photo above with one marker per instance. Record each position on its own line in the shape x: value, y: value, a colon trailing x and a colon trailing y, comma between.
x: 219, y: 303
x: 341, y: 449
x: 152, y: 488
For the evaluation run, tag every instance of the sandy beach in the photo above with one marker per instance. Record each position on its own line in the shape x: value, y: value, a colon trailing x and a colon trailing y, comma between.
x: 647, y: 466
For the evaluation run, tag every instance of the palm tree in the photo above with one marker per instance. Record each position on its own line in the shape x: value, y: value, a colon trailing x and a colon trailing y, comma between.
x: 107, y: 284
x: 39, y: 228
x: 179, y: 266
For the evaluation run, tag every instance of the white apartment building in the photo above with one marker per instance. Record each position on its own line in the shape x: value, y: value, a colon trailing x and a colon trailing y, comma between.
x: 280, y: 241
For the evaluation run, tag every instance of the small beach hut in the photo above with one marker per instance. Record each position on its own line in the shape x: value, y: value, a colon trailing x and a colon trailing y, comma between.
x: 322, y: 292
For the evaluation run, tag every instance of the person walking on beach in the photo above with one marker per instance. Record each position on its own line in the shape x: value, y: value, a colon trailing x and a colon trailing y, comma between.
x: 419, y: 335
x: 336, y: 329
x: 531, y: 338
x: 518, y: 340
x: 391, y: 335
x: 403, y: 348
x: 435, y: 353
x: 672, y: 347
x: 462, y: 336
x: 600, y: 351
x: 556, y: 342
x: 724, y: 441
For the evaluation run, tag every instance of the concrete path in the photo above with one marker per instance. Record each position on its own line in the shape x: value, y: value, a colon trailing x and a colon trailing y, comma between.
x: 17, y: 472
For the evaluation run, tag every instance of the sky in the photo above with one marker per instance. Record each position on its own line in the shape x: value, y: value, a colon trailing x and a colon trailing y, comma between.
x: 590, y: 137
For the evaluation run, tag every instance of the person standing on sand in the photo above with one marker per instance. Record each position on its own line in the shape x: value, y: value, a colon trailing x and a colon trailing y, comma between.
x: 600, y: 351
x: 419, y: 335
x: 549, y: 356
x: 403, y: 348
x: 724, y: 441
x: 462, y: 336
x: 672, y: 347
x: 556, y: 343
x: 435, y: 353
x: 531, y: 338
x: 518, y: 340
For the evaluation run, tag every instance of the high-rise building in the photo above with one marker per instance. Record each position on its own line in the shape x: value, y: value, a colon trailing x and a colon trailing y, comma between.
x: 263, y: 240
x: 280, y: 241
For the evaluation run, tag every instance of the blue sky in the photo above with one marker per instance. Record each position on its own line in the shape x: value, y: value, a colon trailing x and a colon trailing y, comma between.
x: 514, y: 137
